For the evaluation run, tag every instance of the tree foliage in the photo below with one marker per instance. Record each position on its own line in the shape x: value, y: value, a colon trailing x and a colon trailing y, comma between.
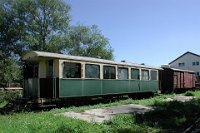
x: 88, y: 41
x: 44, y: 25
x: 10, y: 30
x: 48, y: 24
x: 10, y: 71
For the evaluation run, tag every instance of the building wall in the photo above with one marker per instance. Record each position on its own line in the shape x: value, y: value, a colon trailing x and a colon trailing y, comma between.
x: 186, y: 62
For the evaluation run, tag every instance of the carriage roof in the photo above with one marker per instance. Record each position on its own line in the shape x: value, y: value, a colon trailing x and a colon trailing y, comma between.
x: 37, y: 55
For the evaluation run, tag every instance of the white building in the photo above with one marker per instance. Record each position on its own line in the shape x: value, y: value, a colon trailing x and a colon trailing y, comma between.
x: 187, y: 61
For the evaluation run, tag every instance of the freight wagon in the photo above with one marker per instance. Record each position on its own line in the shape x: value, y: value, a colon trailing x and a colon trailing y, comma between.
x: 173, y: 79
x: 55, y: 76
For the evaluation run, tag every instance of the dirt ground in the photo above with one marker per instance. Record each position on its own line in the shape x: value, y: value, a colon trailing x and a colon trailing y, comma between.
x: 180, y: 98
x: 102, y: 114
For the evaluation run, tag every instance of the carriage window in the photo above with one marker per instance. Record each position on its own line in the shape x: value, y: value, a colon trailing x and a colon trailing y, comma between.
x: 72, y: 70
x: 92, y: 71
x: 135, y: 73
x: 109, y: 72
x: 145, y: 75
x: 122, y: 73
x: 153, y: 75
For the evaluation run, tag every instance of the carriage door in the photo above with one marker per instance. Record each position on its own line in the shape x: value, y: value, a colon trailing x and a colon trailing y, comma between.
x: 31, y: 81
x: 47, y: 84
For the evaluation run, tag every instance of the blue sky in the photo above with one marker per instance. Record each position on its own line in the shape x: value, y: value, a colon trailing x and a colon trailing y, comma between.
x: 153, y: 32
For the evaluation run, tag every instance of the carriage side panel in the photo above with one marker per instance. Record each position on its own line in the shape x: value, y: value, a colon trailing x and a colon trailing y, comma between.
x: 149, y: 86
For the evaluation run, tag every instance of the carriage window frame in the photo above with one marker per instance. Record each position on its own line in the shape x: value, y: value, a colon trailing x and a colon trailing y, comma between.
x: 142, y: 74
x: 152, y: 75
x: 138, y: 75
x: 111, y: 75
x: 97, y: 75
x: 50, y: 69
x: 119, y: 74
x: 77, y: 73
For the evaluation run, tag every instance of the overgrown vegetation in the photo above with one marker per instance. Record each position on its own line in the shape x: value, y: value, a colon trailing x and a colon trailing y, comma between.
x: 167, y: 117
x: 7, y: 96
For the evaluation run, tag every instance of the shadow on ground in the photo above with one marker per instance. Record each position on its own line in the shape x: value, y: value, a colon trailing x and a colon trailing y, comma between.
x: 173, y: 117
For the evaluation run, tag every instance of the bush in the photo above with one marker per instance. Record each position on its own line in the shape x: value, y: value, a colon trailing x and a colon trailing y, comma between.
x: 9, y: 95
x: 189, y: 93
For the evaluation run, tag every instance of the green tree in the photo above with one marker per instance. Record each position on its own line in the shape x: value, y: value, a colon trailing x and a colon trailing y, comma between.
x: 10, y: 71
x: 43, y: 25
x: 88, y: 41
x: 9, y: 36
x: 34, y: 25
x: 46, y: 23
x: 9, y: 33
x: 29, y: 25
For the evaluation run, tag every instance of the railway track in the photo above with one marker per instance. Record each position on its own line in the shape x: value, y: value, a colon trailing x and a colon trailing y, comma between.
x: 194, y: 128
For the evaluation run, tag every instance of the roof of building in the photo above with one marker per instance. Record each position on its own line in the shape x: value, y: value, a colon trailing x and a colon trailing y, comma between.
x: 188, y: 52
x: 36, y: 55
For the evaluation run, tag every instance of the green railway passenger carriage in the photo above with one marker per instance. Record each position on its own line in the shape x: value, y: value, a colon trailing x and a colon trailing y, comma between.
x: 53, y: 76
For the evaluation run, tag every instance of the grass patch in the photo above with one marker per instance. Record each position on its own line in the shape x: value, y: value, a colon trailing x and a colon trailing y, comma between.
x: 126, y: 123
x: 168, y: 117
x: 171, y: 116
x: 2, y: 104
x: 189, y: 93
x: 195, y: 93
